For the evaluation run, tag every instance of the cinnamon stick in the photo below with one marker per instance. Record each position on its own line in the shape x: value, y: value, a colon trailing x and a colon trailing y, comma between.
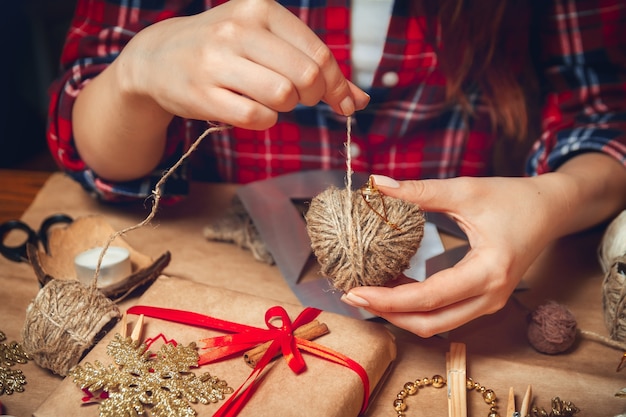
x: 309, y: 331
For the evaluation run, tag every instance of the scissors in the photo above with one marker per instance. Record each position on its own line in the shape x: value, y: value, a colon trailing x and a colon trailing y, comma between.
x: 19, y: 253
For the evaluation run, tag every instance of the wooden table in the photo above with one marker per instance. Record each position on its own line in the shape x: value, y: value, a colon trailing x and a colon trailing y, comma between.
x: 18, y: 188
x: 499, y: 354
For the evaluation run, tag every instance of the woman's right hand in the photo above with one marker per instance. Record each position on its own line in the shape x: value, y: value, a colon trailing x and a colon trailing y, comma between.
x: 239, y: 63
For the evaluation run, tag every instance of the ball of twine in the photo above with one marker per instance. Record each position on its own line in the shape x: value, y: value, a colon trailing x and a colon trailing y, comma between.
x: 552, y: 328
x: 614, y: 299
x: 62, y: 322
x: 353, y: 242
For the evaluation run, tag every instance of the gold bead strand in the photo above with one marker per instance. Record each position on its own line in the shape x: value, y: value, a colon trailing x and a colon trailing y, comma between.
x: 437, y: 381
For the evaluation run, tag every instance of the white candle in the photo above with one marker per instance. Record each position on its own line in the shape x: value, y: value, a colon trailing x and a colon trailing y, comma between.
x: 115, y: 265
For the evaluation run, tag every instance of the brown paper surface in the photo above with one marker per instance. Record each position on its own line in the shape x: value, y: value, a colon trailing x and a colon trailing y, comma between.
x: 324, y: 389
x: 498, y: 352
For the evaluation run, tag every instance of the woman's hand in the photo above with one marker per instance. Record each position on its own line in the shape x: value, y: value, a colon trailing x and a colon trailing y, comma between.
x: 239, y: 63
x: 508, y: 221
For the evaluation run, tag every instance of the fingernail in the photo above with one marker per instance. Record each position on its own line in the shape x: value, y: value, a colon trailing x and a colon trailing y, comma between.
x: 347, y: 106
x: 385, y: 181
x: 362, y: 102
x: 354, y: 300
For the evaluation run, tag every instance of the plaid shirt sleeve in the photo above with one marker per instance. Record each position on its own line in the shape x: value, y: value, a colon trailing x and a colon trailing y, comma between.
x: 98, y: 32
x: 584, y: 69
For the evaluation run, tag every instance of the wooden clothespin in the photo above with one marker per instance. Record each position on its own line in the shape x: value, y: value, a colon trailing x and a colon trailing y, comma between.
x: 456, y: 366
x: 510, y: 405
x: 136, y: 333
x: 526, y: 401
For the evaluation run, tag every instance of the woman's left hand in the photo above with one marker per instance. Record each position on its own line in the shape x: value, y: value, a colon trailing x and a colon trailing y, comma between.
x: 508, y: 222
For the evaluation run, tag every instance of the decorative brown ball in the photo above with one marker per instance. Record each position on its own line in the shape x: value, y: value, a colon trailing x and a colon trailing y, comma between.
x: 359, y: 242
x: 552, y: 328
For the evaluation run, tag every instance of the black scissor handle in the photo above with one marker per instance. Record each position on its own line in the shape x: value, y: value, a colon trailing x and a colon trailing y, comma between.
x: 48, y: 223
x: 19, y: 253
x: 16, y: 253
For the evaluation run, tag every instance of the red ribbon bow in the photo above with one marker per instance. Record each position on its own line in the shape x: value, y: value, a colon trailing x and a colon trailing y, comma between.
x: 245, y: 337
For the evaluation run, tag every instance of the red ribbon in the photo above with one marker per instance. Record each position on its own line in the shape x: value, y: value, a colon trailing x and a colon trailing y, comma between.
x: 244, y: 337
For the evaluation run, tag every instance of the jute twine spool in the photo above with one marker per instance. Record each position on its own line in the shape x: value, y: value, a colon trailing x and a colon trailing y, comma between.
x: 62, y: 322
x: 614, y: 299
x: 612, y: 257
x: 613, y: 244
x: 355, y: 246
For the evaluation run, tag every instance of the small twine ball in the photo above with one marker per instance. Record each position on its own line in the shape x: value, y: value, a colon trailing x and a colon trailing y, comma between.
x: 62, y: 322
x: 614, y: 299
x: 552, y: 328
x: 355, y: 244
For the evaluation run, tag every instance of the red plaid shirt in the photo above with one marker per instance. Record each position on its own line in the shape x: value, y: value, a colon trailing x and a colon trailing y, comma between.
x: 406, y: 132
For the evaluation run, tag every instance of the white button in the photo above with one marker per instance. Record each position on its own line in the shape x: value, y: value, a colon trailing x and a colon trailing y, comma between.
x: 355, y: 151
x: 390, y: 79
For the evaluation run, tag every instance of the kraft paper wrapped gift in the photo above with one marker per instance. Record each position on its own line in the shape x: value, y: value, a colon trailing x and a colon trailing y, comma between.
x: 323, y: 389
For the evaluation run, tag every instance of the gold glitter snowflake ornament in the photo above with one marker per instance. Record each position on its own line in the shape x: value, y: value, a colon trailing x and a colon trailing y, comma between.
x: 11, y: 380
x: 160, y: 383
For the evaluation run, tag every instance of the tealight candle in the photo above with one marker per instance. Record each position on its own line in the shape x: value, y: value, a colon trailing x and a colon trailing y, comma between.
x: 115, y: 265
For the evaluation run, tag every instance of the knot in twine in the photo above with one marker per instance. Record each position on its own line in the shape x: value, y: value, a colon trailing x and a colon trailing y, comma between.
x: 614, y: 299
x: 63, y: 321
x: 552, y: 328
x: 353, y: 242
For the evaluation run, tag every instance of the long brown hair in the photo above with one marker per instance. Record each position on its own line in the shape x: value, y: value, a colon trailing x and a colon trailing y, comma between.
x: 475, y: 46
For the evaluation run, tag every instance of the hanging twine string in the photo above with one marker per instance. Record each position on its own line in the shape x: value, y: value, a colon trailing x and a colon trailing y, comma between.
x: 348, y: 145
x: 352, y: 240
x: 156, y: 194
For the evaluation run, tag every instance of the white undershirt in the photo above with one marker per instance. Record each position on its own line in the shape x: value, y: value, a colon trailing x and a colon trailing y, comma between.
x: 370, y: 21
